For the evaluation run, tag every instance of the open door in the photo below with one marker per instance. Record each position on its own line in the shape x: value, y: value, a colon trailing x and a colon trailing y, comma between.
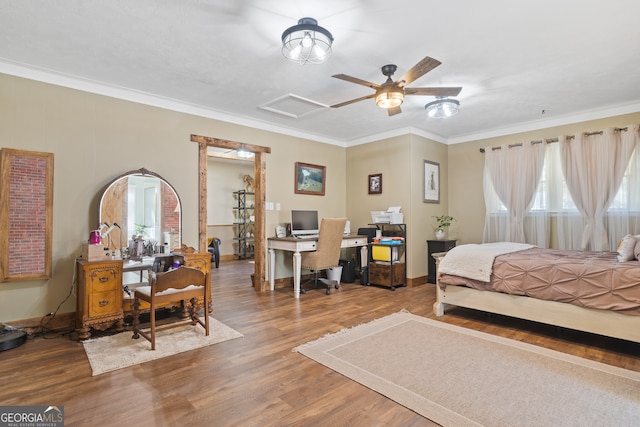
x: 259, y: 166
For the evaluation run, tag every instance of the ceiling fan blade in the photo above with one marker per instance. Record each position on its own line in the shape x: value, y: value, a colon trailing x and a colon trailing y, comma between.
x: 356, y: 80
x: 418, y: 70
x: 393, y: 111
x: 433, y: 91
x: 362, y: 98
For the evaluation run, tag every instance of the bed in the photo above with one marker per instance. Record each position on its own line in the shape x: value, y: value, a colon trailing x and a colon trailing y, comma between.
x: 586, y: 291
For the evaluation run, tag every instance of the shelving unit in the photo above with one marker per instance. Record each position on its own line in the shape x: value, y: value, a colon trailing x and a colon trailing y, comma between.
x: 244, y: 211
x: 391, y: 273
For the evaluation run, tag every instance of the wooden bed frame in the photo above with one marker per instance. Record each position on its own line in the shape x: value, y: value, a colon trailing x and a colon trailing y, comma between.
x: 603, y: 322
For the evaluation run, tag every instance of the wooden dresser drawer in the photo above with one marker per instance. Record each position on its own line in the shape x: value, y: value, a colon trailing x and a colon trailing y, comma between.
x: 99, y: 296
x: 104, y: 279
x: 386, y: 274
x: 104, y: 303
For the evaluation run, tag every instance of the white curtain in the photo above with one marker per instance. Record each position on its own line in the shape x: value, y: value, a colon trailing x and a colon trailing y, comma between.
x: 594, y: 167
x: 623, y: 216
x: 513, y: 174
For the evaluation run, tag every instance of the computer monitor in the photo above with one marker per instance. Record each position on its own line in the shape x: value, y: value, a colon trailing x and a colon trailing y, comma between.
x: 304, y: 222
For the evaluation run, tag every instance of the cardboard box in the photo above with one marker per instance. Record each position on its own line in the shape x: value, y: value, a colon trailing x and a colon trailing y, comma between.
x: 94, y: 253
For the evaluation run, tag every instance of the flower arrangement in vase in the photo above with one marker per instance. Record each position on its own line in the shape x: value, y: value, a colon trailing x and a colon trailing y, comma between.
x: 442, y: 223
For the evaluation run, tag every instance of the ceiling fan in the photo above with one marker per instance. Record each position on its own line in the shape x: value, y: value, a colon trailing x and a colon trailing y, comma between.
x: 390, y: 94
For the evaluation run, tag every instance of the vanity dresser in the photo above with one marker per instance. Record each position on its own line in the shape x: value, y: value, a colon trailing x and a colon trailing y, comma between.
x: 137, y: 206
x: 103, y: 303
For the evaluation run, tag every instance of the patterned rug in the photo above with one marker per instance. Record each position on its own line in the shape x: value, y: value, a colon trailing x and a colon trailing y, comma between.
x: 460, y: 377
x: 119, y: 351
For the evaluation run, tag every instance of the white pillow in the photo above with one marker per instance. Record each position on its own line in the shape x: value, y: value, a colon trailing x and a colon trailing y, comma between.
x: 626, y: 248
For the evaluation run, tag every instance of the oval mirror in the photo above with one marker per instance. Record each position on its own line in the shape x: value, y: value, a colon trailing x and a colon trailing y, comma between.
x: 140, y: 211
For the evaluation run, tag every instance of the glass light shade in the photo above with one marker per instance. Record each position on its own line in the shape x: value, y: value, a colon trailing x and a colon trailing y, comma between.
x: 245, y: 154
x: 307, y: 42
x: 389, y: 99
x: 442, y: 108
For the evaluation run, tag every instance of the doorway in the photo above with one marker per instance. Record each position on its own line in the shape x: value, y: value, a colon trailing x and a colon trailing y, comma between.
x: 259, y: 169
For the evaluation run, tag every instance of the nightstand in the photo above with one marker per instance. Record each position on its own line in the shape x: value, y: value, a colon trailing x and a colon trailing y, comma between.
x: 435, y: 246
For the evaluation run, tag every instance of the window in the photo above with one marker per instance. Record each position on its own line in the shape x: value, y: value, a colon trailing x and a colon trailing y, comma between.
x: 552, y: 197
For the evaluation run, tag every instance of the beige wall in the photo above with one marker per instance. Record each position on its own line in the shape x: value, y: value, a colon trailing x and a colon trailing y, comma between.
x: 285, y: 152
x: 400, y: 160
x: 96, y: 138
x: 389, y: 157
x: 422, y: 222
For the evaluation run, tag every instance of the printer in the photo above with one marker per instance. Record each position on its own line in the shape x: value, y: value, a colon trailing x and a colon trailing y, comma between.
x: 391, y: 216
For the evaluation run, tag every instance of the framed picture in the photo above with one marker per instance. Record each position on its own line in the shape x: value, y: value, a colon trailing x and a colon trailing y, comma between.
x: 431, y: 182
x: 309, y: 179
x: 375, y: 183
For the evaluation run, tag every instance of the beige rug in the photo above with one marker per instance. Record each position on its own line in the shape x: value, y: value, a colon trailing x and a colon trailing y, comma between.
x: 120, y: 351
x: 460, y: 377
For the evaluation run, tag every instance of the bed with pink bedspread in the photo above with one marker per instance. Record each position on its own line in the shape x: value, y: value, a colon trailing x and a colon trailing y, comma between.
x: 589, y: 291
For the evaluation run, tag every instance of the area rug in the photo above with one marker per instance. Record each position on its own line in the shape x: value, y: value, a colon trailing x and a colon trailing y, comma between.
x: 460, y: 377
x: 119, y: 351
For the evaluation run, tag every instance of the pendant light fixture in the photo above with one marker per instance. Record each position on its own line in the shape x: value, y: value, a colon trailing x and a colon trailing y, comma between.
x: 390, y: 98
x: 389, y: 95
x: 442, y: 107
x: 307, y: 42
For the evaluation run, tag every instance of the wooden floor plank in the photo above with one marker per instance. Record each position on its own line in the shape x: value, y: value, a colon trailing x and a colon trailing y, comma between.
x: 257, y: 380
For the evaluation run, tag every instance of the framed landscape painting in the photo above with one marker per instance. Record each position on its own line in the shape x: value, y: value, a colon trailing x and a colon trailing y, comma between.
x: 431, y: 182
x: 309, y: 179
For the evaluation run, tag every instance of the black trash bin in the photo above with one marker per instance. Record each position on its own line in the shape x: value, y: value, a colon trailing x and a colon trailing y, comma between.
x: 364, y: 275
x: 348, y: 270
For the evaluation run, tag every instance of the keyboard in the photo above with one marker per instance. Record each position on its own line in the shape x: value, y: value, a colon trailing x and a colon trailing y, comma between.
x: 306, y: 236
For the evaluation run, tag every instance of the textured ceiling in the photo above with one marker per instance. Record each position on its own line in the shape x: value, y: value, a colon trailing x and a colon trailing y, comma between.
x: 574, y: 59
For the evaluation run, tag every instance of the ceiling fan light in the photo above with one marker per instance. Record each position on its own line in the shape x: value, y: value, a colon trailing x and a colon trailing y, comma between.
x: 389, y: 99
x: 442, y: 108
x: 245, y: 154
x: 307, y: 42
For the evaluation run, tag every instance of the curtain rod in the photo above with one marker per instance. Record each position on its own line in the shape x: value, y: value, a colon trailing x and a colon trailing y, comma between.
x: 550, y: 140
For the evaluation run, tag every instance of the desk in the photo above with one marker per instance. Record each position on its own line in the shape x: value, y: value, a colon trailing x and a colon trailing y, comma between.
x: 146, y: 264
x: 291, y: 244
x: 128, y: 288
x: 142, y: 265
x: 161, y: 263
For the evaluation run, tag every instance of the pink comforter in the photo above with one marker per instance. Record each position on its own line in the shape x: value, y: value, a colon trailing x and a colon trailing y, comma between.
x: 587, y: 279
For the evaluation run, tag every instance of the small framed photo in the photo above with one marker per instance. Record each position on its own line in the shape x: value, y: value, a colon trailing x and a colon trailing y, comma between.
x: 375, y: 183
x: 431, y: 182
x: 310, y: 179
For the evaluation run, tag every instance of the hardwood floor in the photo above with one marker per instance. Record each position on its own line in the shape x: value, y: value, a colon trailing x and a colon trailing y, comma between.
x: 257, y: 380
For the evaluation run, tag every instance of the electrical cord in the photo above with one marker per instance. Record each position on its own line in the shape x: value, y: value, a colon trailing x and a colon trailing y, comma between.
x: 45, y: 327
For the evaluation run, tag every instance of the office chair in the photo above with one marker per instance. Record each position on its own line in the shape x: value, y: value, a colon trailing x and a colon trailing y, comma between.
x: 327, y: 253
x: 182, y: 284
